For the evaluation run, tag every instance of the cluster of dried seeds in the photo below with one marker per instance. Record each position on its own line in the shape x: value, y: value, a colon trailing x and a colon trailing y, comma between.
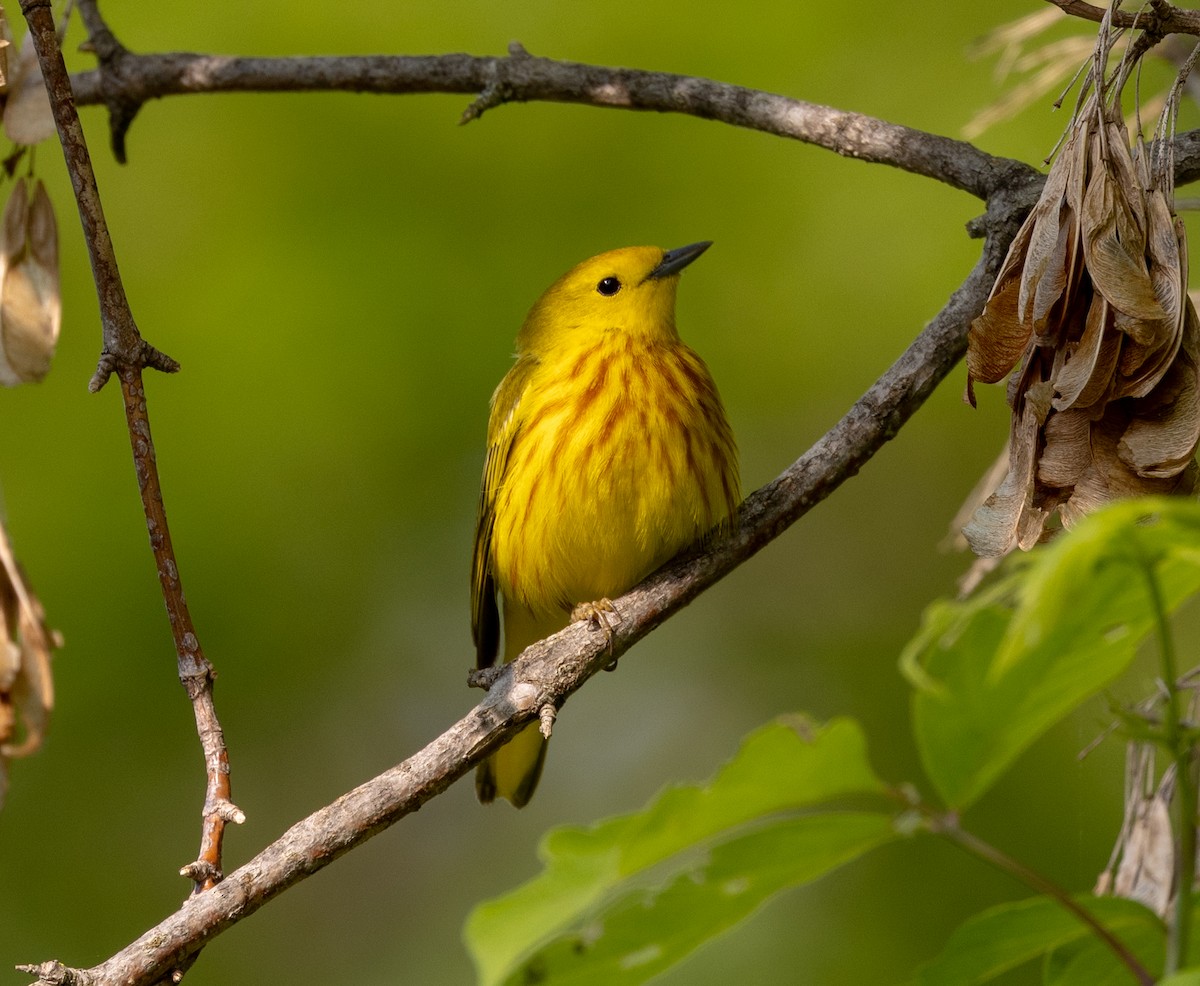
x: 1091, y: 309
x: 30, y: 317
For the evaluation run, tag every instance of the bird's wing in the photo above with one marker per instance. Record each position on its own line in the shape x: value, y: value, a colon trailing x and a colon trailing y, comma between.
x: 503, y: 425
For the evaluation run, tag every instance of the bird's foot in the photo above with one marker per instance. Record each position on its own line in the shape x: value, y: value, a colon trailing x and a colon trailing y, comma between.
x: 601, y: 615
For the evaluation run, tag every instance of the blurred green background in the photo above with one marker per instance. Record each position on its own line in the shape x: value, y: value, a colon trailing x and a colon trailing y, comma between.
x: 342, y: 277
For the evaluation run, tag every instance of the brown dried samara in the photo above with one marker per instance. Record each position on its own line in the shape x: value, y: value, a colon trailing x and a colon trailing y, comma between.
x: 26, y: 688
x: 1091, y: 309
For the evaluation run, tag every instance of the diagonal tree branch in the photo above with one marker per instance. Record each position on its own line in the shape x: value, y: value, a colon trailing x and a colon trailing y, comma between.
x: 550, y: 671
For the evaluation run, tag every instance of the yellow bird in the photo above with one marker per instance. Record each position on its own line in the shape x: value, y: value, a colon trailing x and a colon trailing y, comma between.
x: 608, y: 453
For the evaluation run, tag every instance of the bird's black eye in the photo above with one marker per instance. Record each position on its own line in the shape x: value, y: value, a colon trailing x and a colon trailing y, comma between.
x: 609, y: 286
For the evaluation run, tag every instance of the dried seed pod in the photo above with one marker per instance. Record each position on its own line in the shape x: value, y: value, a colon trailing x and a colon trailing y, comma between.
x: 26, y: 643
x: 1161, y: 441
x: 997, y: 339
x: 28, y: 119
x: 6, y: 49
x: 1147, y: 870
x: 1091, y: 305
x: 30, y: 302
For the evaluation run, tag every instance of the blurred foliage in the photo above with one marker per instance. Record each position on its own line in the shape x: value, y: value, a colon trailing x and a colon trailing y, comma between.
x: 341, y: 277
x: 994, y: 671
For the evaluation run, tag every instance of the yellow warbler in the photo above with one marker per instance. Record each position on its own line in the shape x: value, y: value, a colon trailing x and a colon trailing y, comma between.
x: 608, y: 452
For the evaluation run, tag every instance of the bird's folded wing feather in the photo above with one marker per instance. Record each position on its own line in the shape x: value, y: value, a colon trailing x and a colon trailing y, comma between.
x: 503, y: 426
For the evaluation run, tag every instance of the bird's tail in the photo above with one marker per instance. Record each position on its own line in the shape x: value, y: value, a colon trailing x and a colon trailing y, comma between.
x: 512, y: 772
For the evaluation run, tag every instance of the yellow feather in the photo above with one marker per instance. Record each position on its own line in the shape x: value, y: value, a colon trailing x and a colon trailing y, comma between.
x: 608, y: 453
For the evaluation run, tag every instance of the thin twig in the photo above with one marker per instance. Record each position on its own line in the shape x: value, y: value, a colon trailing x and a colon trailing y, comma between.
x: 195, y: 672
x: 122, y: 343
x: 1163, y: 19
x: 109, y: 52
x: 551, y: 670
x: 1180, y: 747
x: 127, y: 353
x: 947, y: 825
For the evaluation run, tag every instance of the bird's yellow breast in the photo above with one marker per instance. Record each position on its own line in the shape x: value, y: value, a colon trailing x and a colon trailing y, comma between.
x: 622, y: 457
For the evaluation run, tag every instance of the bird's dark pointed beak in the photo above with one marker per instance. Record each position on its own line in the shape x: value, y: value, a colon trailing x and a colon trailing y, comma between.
x: 674, y: 261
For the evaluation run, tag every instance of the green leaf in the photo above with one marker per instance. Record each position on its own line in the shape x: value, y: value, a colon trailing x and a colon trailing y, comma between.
x: 994, y: 672
x: 635, y: 893
x: 1185, y: 977
x: 641, y: 931
x: 1005, y: 937
x: 1090, y: 962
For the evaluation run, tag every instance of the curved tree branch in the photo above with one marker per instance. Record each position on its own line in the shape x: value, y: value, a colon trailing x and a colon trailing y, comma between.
x: 550, y: 671
x: 126, y: 81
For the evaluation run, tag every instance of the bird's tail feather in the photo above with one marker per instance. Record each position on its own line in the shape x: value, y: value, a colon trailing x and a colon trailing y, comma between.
x: 512, y: 772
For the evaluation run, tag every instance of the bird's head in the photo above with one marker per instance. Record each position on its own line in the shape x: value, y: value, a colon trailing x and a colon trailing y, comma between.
x: 631, y: 290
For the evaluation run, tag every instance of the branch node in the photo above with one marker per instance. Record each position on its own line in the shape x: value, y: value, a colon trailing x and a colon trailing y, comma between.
x: 484, y: 678
x: 157, y: 360
x: 122, y: 105
x: 147, y: 355
x: 120, y: 118
x: 197, y: 682
x: 104, y: 369
x: 227, y: 811
x: 524, y: 696
x: 54, y: 973
x: 1161, y: 20
x: 497, y: 92
x: 202, y: 871
x: 547, y: 715
x: 493, y: 94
